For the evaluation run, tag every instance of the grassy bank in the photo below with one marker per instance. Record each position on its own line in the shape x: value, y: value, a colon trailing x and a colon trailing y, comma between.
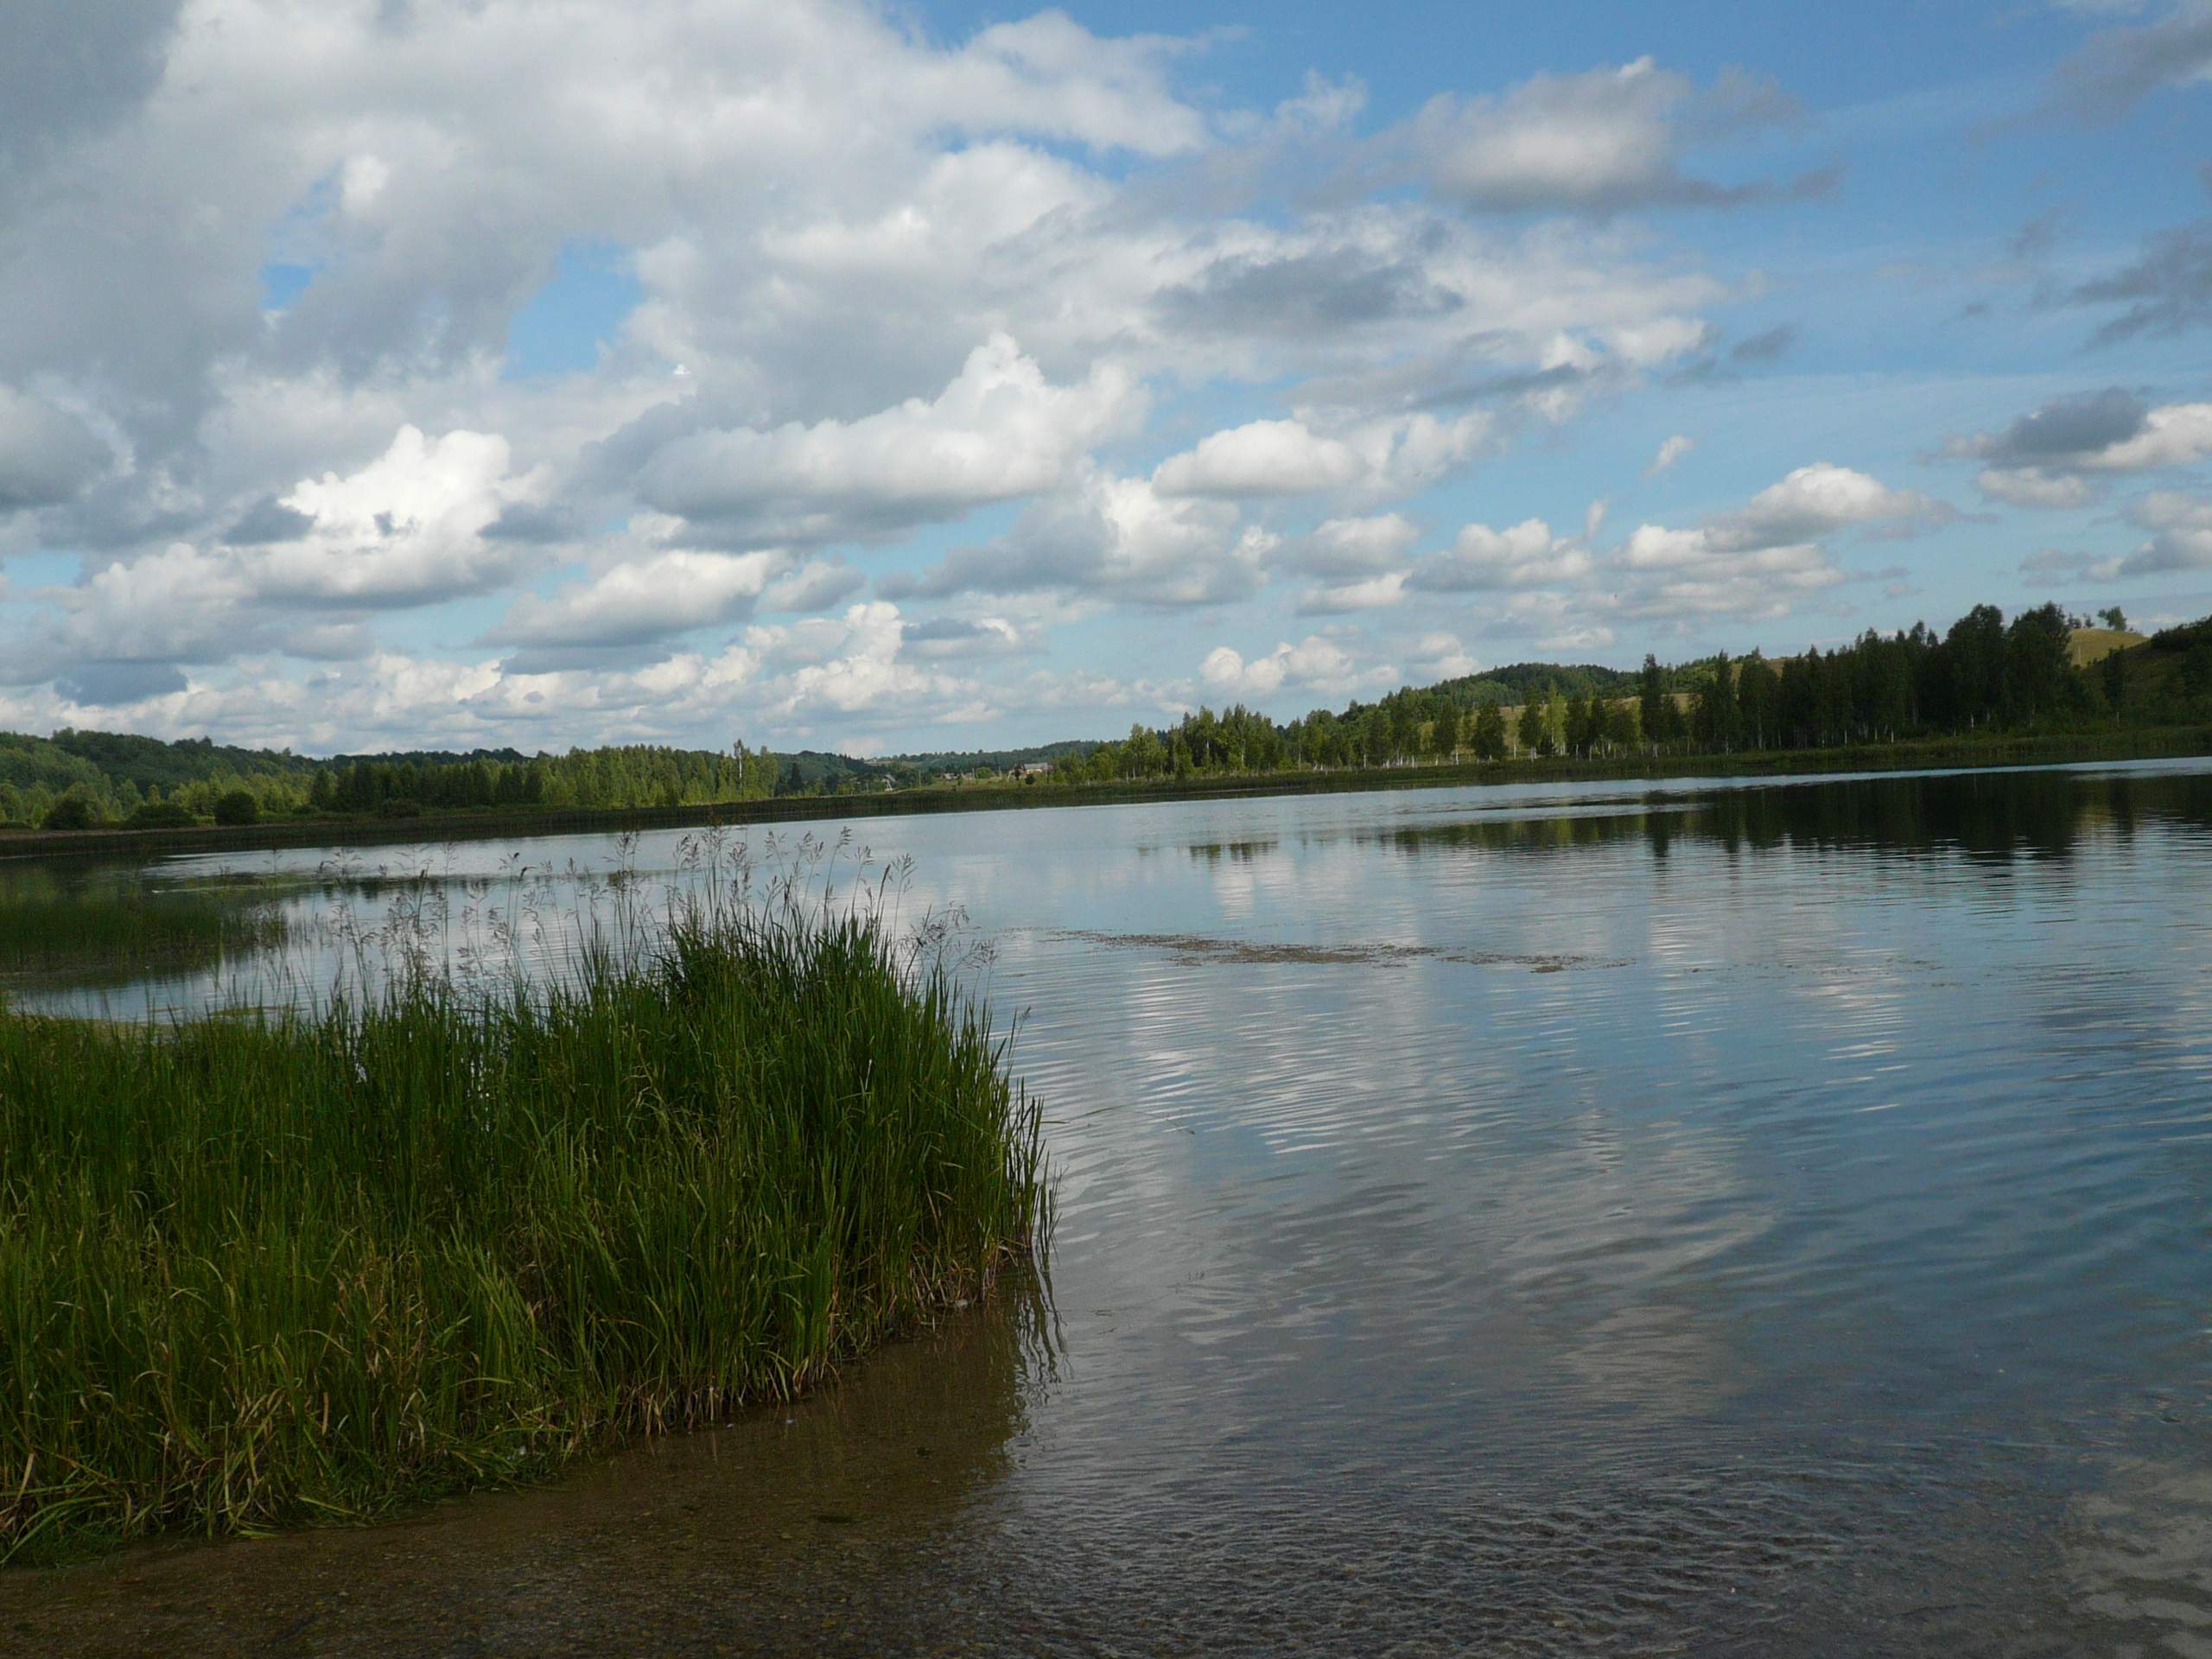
x: 257, y: 1272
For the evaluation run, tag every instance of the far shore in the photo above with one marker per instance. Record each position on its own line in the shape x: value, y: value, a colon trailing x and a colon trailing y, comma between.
x: 2174, y: 742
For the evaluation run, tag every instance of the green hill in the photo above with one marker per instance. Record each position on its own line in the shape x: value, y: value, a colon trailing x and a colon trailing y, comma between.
x: 1512, y: 685
x: 933, y: 762
x: 2162, y: 677
x: 2088, y: 645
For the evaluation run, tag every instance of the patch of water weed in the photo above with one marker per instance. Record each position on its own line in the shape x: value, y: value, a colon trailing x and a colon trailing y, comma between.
x: 1187, y: 949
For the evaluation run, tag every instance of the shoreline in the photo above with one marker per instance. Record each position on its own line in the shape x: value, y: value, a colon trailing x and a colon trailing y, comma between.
x: 2153, y: 743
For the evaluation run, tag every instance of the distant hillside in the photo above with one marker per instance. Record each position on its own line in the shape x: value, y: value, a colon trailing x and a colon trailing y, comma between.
x: 38, y: 763
x: 426, y: 758
x: 121, y: 757
x: 810, y: 770
x: 1510, y: 685
x: 2091, y: 645
x: 964, y: 761
x: 2189, y: 637
x: 2173, y: 666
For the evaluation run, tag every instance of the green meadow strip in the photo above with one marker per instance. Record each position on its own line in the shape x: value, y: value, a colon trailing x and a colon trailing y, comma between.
x: 256, y: 1272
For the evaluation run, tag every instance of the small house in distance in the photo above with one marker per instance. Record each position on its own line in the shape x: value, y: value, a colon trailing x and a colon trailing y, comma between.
x: 1033, y: 769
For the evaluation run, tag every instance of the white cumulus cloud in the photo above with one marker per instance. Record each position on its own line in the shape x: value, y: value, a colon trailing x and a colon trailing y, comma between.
x: 1600, y: 141
x: 1669, y: 452
x: 1526, y: 555
x: 1314, y: 663
x: 1288, y: 457
x: 1000, y: 430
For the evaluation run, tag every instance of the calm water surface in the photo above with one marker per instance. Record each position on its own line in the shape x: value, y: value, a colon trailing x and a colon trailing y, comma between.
x: 1763, y: 1218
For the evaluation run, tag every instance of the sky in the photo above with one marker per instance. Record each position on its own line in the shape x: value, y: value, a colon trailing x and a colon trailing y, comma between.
x: 882, y: 378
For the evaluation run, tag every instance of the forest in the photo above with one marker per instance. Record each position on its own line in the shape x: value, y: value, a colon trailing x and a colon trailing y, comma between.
x: 1982, y: 676
x: 2044, y: 671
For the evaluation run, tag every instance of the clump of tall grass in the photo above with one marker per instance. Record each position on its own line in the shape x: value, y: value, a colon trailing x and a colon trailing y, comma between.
x: 260, y: 1270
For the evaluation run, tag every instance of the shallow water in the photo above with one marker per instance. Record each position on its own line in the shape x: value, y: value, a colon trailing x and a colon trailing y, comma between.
x: 1762, y: 1218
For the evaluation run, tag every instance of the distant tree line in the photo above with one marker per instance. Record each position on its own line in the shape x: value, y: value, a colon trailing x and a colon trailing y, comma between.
x: 68, y: 791
x: 632, y: 775
x: 1982, y: 676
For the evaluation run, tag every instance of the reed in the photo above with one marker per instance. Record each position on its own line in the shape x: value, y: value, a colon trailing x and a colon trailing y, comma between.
x: 95, y: 933
x: 269, y: 1268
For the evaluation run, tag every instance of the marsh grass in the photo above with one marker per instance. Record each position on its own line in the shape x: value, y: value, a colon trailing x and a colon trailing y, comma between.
x: 263, y: 1269
x: 94, y: 933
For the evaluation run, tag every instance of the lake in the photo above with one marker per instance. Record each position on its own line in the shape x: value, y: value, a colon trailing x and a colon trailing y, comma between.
x: 1759, y: 1217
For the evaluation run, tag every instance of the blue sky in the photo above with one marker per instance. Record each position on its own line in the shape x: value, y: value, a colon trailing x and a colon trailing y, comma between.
x: 540, y: 372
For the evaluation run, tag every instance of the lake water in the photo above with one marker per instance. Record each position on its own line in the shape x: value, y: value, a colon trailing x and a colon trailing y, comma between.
x: 1769, y: 1218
